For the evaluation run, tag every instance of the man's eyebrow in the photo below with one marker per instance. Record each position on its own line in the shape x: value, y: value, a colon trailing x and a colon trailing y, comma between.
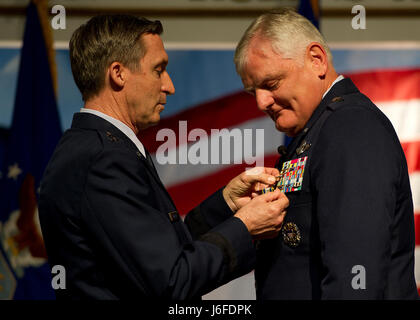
x: 262, y: 82
x: 162, y: 63
x: 271, y: 77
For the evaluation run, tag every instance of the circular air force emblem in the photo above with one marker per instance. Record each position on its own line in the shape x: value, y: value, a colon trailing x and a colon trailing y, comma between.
x: 291, y: 234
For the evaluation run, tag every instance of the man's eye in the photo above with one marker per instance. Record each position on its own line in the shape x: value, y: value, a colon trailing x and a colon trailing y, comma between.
x: 271, y: 85
x: 159, y: 71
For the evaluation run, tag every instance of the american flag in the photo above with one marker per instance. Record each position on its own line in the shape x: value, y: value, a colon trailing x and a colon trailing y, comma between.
x: 397, y: 94
x: 390, y: 77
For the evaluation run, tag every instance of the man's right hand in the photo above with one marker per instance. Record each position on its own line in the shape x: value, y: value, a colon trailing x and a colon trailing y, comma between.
x: 263, y: 215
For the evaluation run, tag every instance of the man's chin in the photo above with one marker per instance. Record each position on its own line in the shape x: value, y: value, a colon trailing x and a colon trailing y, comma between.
x: 154, y: 122
x: 150, y: 123
x: 287, y: 130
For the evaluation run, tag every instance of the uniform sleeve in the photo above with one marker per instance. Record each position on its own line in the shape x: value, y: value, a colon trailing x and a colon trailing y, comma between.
x: 356, y: 169
x: 141, y: 242
x: 209, y: 214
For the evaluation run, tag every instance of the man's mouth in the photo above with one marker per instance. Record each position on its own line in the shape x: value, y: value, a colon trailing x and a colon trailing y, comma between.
x: 274, y: 114
x: 161, y: 106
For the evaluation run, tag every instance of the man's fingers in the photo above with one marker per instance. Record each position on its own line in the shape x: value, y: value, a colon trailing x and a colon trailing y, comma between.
x: 281, y: 200
x: 272, y: 171
x: 261, y: 174
x: 271, y: 196
x: 262, y: 178
x: 260, y: 186
x: 254, y: 195
x: 278, y: 199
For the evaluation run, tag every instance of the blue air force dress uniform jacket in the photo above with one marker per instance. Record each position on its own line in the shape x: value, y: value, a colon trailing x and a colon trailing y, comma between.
x: 349, y: 232
x: 107, y: 218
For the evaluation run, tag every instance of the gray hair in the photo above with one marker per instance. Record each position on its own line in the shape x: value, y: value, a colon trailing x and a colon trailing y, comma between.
x: 289, y: 33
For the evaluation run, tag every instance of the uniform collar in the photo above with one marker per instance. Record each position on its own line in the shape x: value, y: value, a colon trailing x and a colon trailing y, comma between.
x: 120, y: 125
x: 339, y: 89
x: 89, y: 121
x: 339, y: 78
x: 336, y: 91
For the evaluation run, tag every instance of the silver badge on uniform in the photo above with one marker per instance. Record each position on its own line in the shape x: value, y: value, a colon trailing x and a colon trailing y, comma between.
x: 303, y: 147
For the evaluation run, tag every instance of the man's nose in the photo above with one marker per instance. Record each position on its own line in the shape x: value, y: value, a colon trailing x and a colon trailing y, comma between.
x: 167, y: 84
x: 264, y: 99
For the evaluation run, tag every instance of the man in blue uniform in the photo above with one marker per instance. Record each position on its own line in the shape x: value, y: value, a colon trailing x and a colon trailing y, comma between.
x: 349, y: 230
x: 105, y: 215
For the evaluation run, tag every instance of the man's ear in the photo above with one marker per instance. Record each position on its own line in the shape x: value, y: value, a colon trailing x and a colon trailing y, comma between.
x: 317, y: 58
x: 117, y: 75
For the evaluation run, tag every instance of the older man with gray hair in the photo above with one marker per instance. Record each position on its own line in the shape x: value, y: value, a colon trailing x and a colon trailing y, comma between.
x: 349, y: 231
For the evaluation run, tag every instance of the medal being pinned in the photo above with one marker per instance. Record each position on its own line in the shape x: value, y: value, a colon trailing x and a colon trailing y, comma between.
x: 291, y: 176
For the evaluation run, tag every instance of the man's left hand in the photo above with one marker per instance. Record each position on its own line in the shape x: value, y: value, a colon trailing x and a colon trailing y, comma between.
x: 241, y: 189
